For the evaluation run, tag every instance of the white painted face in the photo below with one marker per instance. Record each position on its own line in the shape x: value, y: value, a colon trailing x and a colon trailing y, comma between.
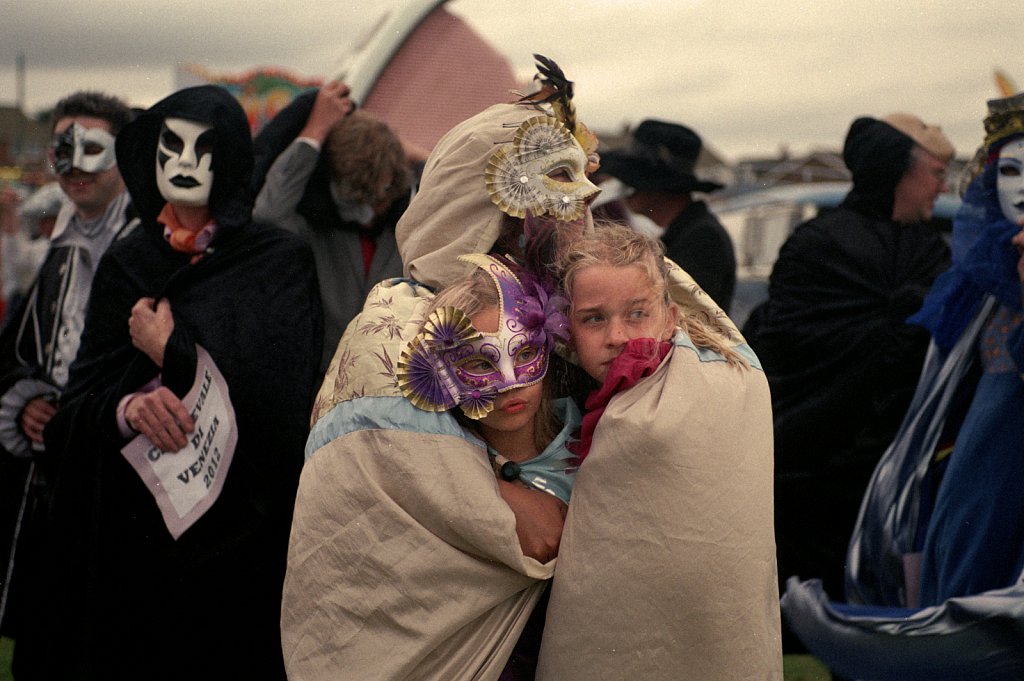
x: 1010, y: 180
x: 184, y: 155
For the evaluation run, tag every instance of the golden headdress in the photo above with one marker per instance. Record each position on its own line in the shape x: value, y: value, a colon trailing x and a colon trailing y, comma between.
x: 1005, y: 118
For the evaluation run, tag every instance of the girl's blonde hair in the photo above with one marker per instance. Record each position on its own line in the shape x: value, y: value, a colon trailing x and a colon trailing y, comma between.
x: 616, y: 245
x: 473, y: 294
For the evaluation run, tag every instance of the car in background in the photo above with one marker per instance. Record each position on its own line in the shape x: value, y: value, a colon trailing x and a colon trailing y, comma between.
x: 760, y: 221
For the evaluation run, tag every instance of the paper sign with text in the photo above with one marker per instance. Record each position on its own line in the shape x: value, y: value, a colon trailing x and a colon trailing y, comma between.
x: 186, y: 483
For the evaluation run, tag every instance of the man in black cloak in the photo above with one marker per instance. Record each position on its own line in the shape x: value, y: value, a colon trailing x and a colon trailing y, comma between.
x: 121, y: 598
x: 841, y: 361
x: 42, y: 333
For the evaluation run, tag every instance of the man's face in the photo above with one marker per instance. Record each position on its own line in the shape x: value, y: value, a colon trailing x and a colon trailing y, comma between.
x: 82, y: 153
x: 1010, y: 180
x: 363, y: 213
x: 352, y: 210
x: 184, y: 158
x: 644, y: 206
x: 919, y: 187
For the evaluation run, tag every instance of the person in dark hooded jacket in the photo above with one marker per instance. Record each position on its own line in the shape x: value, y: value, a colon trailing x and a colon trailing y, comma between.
x: 841, y: 361
x: 121, y: 598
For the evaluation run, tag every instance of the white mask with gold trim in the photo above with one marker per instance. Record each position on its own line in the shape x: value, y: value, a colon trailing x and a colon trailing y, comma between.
x: 542, y: 172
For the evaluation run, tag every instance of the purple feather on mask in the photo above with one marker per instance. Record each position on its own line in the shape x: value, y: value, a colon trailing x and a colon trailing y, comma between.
x: 543, y: 312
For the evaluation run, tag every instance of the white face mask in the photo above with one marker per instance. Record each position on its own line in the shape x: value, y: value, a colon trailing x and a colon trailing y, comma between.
x: 1010, y: 180
x: 90, y: 150
x: 542, y: 172
x: 184, y: 157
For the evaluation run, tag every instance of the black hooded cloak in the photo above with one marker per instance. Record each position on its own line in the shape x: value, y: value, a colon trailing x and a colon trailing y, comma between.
x: 120, y: 598
x: 841, y: 361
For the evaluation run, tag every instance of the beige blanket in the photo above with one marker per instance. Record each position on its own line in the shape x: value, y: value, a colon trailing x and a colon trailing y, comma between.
x: 403, y: 564
x: 404, y: 561
x: 667, y: 563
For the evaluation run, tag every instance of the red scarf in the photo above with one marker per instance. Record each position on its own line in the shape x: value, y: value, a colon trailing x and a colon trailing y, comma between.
x: 638, y: 360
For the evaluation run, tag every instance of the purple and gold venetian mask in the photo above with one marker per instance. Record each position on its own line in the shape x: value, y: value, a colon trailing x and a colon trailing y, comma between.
x: 452, y: 363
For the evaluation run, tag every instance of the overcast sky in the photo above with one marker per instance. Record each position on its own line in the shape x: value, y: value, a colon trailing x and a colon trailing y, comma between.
x: 748, y: 76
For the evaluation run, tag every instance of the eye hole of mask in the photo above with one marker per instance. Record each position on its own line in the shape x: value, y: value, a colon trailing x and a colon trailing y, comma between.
x: 204, y: 145
x: 560, y: 175
x: 525, y: 355
x: 477, y: 366
x: 171, y: 141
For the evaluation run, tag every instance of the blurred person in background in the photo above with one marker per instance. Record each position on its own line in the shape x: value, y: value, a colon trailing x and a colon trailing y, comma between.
x: 841, y: 360
x: 41, y: 337
x: 25, y: 237
x: 340, y: 179
x: 657, y: 167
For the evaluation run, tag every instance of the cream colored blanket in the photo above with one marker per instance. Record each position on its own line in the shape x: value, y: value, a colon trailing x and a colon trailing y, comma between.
x: 404, y: 564
x: 404, y: 561
x: 667, y: 563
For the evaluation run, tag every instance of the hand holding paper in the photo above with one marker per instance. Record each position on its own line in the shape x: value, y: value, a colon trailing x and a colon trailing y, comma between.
x: 186, y: 480
x: 161, y: 417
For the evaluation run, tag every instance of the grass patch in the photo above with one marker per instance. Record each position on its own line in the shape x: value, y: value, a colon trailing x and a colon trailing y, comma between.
x: 804, y: 668
x: 6, y: 651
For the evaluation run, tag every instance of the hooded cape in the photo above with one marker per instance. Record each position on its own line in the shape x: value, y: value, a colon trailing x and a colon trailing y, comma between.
x: 121, y: 598
x: 841, y: 360
x: 404, y: 561
x: 667, y: 564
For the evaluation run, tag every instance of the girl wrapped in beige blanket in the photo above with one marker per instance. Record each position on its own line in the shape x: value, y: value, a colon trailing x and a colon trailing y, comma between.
x: 667, y: 563
x: 405, y: 560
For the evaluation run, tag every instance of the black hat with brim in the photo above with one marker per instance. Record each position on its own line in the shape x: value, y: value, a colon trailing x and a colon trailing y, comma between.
x: 659, y: 157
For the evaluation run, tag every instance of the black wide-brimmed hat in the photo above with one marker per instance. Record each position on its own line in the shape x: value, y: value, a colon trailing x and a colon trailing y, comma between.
x: 658, y: 157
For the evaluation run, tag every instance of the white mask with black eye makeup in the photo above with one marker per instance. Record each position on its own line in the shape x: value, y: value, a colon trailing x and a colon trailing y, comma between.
x: 1010, y: 180
x: 90, y: 150
x: 184, y: 157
